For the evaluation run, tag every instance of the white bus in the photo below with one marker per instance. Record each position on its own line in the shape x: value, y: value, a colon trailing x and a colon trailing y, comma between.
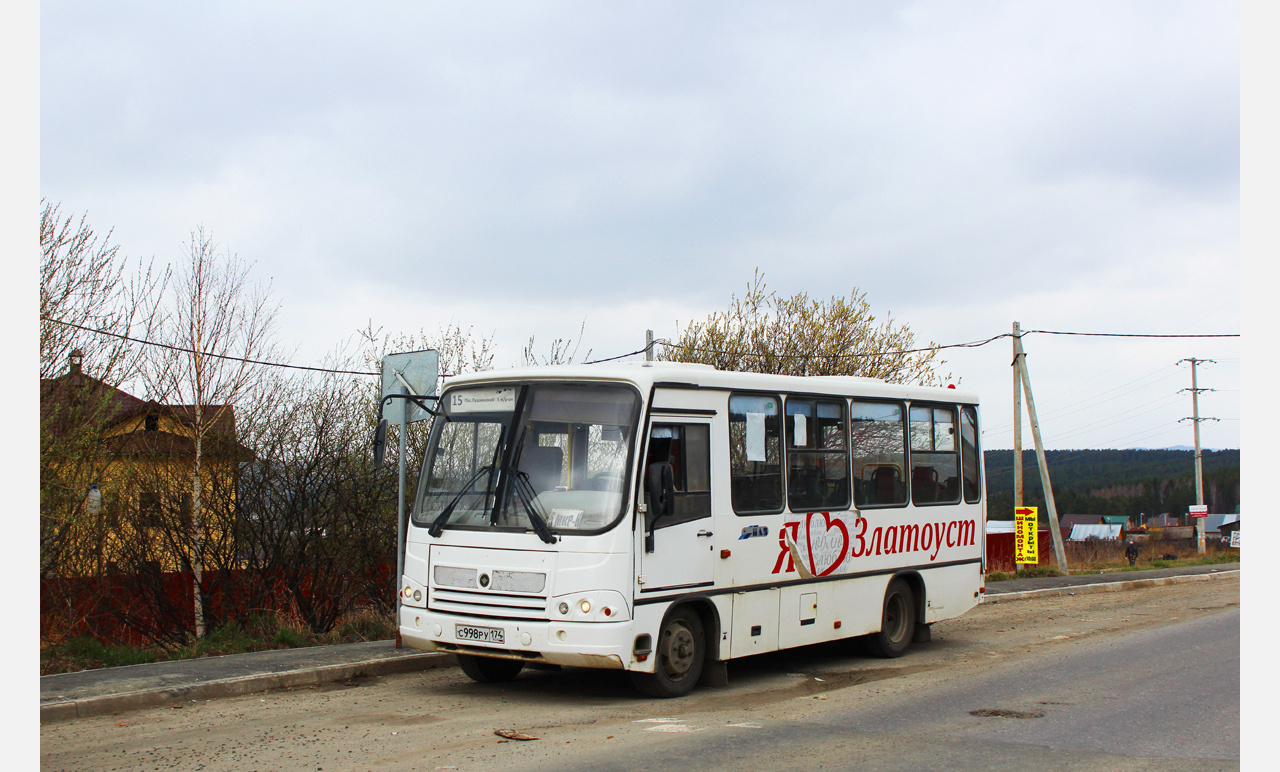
x: 666, y: 518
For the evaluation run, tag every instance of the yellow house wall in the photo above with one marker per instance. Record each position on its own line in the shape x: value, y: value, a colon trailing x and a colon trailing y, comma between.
x: 116, y: 535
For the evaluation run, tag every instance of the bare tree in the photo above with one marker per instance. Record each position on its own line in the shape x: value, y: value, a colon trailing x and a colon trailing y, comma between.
x: 563, y: 351
x: 799, y: 335
x: 218, y: 320
x: 90, y: 306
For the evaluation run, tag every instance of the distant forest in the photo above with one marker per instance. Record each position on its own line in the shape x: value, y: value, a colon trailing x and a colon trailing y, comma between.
x: 1116, y: 482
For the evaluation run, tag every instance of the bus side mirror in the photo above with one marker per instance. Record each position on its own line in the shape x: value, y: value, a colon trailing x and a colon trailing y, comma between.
x: 379, y: 443
x: 662, y: 490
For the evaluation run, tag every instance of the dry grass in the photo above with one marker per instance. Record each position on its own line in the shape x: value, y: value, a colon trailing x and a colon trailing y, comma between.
x: 1098, y: 557
x: 262, y: 632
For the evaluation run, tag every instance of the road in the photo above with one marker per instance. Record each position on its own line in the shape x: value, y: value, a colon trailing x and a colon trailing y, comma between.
x: 1139, y: 680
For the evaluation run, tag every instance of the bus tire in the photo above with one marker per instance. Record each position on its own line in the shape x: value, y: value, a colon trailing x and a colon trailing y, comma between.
x: 488, y: 670
x: 897, y: 622
x: 678, y: 656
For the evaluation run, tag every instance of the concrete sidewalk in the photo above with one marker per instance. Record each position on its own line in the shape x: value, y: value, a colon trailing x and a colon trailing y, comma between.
x: 1111, y: 581
x: 117, y: 689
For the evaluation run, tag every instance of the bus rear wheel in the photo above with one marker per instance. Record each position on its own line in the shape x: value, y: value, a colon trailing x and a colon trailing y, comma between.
x: 487, y: 670
x: 678, y: 656
x: 897, y: 622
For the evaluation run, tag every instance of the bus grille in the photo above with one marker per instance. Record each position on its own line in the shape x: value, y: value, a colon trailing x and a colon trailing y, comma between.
x: 489, y: 604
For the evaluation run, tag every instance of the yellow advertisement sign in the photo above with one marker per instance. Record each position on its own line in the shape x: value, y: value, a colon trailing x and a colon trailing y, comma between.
x: 1025, y: 521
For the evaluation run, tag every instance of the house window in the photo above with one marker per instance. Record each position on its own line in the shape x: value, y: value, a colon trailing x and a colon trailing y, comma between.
x: 152, y: 422
x: 149, y: 506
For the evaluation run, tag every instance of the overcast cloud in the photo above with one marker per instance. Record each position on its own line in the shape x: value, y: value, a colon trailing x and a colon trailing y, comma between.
x: 524, y: 167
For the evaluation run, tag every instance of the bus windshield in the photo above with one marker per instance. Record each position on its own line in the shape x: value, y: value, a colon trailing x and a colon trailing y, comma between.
x: 551, y: 458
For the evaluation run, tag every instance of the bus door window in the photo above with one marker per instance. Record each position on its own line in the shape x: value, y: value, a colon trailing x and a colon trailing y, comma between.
x: 879, y: 453
x: 817, y: 456
x: 935, y: 472
x: 687, y: 447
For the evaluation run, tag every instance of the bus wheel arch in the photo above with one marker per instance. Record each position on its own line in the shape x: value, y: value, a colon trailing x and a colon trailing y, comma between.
x: 680, y: 650
x: 899, y: 617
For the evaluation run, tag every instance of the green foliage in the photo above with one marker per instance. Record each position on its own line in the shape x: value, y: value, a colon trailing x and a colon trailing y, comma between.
x: 763, y: 332
x: 85, y: 653
x: 290, y: 638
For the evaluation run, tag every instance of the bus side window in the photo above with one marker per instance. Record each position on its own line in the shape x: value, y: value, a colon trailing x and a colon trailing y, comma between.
x: 879, y: 454
x: 687, y: 447
x: 817, y: 455
x: 935, y: 473
x: 755, y: 453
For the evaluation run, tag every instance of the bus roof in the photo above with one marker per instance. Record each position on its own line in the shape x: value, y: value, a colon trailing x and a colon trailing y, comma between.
x: 681, y: 374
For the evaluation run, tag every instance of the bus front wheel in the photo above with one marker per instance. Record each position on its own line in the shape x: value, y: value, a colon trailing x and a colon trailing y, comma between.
x: 897, y: 622
x: 678, y: 656
x: 487, y: 670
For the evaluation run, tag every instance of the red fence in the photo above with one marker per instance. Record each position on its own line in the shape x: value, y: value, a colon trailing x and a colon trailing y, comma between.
x: 141, y: 609
x: 1000, y: 549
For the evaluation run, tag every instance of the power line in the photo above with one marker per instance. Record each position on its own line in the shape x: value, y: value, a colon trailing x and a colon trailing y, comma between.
x: 207, y: 353
x: 1126, y: 334
x: 703, y: 349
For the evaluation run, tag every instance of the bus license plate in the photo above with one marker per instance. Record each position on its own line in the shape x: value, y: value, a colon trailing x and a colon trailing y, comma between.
x: 482, y: 634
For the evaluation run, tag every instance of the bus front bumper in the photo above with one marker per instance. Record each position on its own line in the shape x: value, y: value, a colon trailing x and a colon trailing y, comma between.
x: 577, y: 644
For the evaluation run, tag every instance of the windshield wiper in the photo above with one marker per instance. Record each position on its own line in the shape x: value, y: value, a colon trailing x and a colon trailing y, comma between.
x: 526, y: 494
x: 437, y: 525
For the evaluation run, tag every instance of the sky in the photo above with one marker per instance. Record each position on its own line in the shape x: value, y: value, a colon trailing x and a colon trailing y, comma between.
x: 537, y: 169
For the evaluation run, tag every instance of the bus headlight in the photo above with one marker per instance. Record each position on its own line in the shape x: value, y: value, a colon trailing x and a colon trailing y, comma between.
x: 413, y: 593
x: 591, y: 606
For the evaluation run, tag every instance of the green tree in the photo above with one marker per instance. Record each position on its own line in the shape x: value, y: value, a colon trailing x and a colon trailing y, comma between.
x: 764, y: 332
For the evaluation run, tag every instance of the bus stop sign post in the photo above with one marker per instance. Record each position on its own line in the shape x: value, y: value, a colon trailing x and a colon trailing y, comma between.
x: 411, y: 372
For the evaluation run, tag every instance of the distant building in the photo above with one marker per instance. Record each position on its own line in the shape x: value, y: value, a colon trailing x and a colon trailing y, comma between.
x: 1104, y: 531
x: 117, y: 494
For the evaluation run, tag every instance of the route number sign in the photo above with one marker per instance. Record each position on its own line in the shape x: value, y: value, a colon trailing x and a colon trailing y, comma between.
x: 1026, y: 520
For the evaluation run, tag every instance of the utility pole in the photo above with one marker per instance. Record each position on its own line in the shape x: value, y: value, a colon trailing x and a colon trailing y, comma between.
x: 648, y: 348
x: 1195, y: 420
x: 1017, y: 429
x: 1020, y: 369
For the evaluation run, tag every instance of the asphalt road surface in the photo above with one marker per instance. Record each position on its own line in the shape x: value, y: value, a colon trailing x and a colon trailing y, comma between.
x: 1139, y: 680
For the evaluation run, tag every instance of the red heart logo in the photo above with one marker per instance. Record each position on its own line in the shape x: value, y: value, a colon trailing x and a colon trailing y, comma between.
x: 828, y: 549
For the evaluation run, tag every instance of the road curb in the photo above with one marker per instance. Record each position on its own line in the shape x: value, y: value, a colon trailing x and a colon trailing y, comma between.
x: 1085, y: 589
x: 235, y: 687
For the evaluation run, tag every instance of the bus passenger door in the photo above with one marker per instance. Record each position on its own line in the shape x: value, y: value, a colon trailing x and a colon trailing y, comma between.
x: 682, y: 542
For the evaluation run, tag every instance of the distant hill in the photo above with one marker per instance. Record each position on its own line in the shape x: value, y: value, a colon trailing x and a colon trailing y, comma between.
x: 1128, y: 482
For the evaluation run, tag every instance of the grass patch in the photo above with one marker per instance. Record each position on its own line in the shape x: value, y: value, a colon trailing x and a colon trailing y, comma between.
x: 260, y: 632
x: 83, y: 652
x: 1152, y: 557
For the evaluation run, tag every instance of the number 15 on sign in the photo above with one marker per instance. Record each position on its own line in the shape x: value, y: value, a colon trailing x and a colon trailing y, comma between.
x: 1025, y: 521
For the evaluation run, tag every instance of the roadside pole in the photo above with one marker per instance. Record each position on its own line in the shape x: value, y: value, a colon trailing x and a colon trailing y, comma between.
x: 404, y: 375
x: 400, y: 521
x: 1195, y: 423
x: 1020, y: 364
x: 1017, y: 430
